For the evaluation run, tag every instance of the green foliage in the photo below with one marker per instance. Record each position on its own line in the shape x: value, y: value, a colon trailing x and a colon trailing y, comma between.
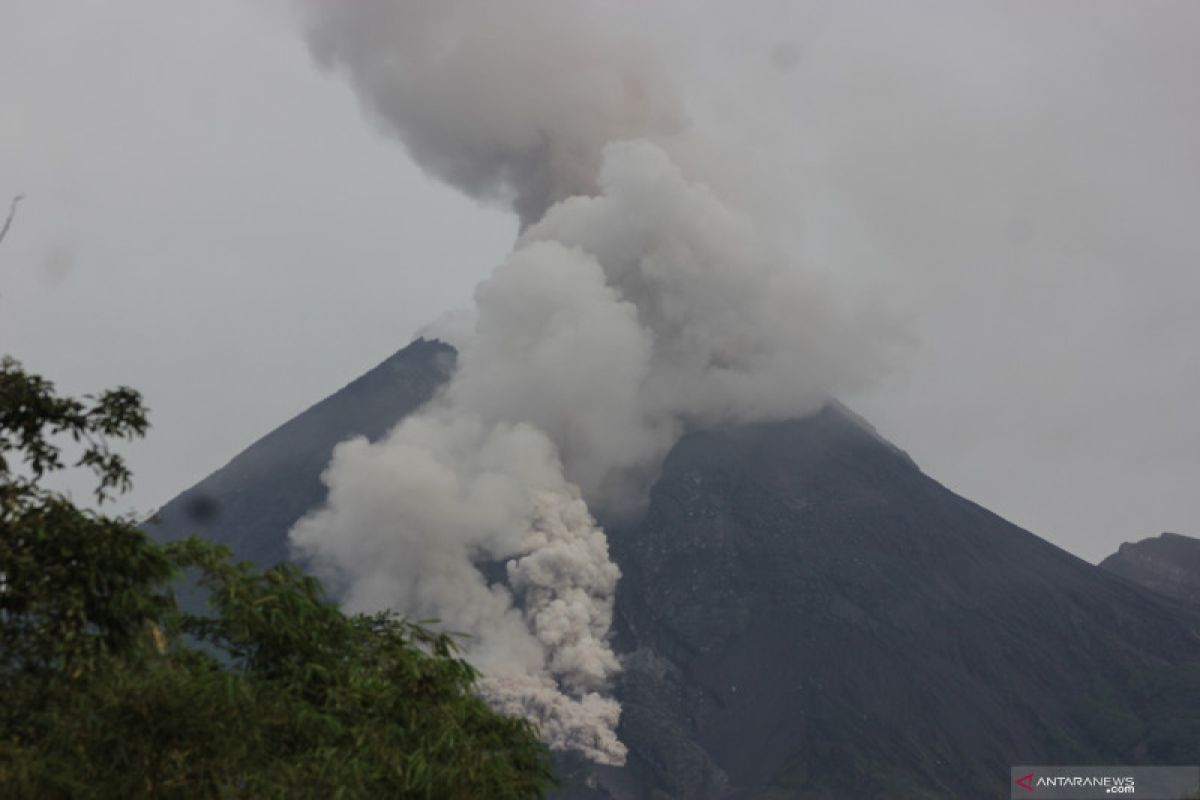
x: 32, y: 415
x: 73, y: 584
x: 111, y: 691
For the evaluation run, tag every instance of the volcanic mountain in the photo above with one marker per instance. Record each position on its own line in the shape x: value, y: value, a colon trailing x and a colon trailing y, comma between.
x: 251, y: 503
x: 803, y: 613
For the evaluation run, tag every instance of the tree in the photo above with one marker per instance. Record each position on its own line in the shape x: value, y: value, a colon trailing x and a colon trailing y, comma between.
x: 111, y: 690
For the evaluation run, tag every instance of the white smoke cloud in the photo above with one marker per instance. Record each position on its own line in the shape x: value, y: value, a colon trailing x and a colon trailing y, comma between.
x: 511, y: 100
x: 624, y: 317
x: 635, y: 304
x: 538, y: 699
x: 408, y: 518
x: 567, y: 583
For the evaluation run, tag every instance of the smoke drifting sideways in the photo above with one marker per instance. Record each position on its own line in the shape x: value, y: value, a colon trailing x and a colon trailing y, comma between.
x: 635, y: 305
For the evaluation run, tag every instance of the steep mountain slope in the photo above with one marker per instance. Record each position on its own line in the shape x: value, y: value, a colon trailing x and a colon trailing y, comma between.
x: 252, y: 502
x: 806, y: 615
x: 1168, y: 564
x: 811, y: 616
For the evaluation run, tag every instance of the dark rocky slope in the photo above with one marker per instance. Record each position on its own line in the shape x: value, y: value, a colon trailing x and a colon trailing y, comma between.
x: 1168, y: 564
x: 252, y: 502
x: 807, y: 615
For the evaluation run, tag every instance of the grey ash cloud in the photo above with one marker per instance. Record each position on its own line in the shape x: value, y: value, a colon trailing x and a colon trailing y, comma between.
x: 636, y: 303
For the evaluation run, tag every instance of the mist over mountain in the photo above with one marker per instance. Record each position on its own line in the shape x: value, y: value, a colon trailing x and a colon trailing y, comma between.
x: 804, y: 614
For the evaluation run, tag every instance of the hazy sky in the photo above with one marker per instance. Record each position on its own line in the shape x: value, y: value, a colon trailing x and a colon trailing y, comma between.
x: 211, y: 219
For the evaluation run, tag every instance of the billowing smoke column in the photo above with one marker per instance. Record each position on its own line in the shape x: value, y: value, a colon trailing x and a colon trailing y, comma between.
x: 505, y: 100
x: 635, y: 304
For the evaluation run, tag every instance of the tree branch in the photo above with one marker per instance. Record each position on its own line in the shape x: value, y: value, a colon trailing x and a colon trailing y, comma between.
x: 12, y: 212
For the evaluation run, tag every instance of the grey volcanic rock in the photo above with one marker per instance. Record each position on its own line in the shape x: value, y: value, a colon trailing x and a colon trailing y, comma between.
x: 811, y: 616
x: 252, y: 502
x: 804, y: 614
x: 1168, y: 564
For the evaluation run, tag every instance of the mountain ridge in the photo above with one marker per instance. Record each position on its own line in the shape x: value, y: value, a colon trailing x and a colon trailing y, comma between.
x: 919, y: 630
x: 285, y: 465
x: 803, y: 613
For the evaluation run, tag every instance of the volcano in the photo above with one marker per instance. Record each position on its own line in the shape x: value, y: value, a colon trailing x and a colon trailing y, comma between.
x: 803, y: 613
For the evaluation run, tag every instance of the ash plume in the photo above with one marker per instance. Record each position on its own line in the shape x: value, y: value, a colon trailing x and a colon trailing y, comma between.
x: 635, y: 304
x: 512, y: 101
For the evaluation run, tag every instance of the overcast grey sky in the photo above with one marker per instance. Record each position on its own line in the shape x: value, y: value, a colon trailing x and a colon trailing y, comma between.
x: 211, y: 219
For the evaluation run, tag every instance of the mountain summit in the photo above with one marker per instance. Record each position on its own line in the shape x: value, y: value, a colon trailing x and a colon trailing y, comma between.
x: 804, y: 614
x: 1168, y: 564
